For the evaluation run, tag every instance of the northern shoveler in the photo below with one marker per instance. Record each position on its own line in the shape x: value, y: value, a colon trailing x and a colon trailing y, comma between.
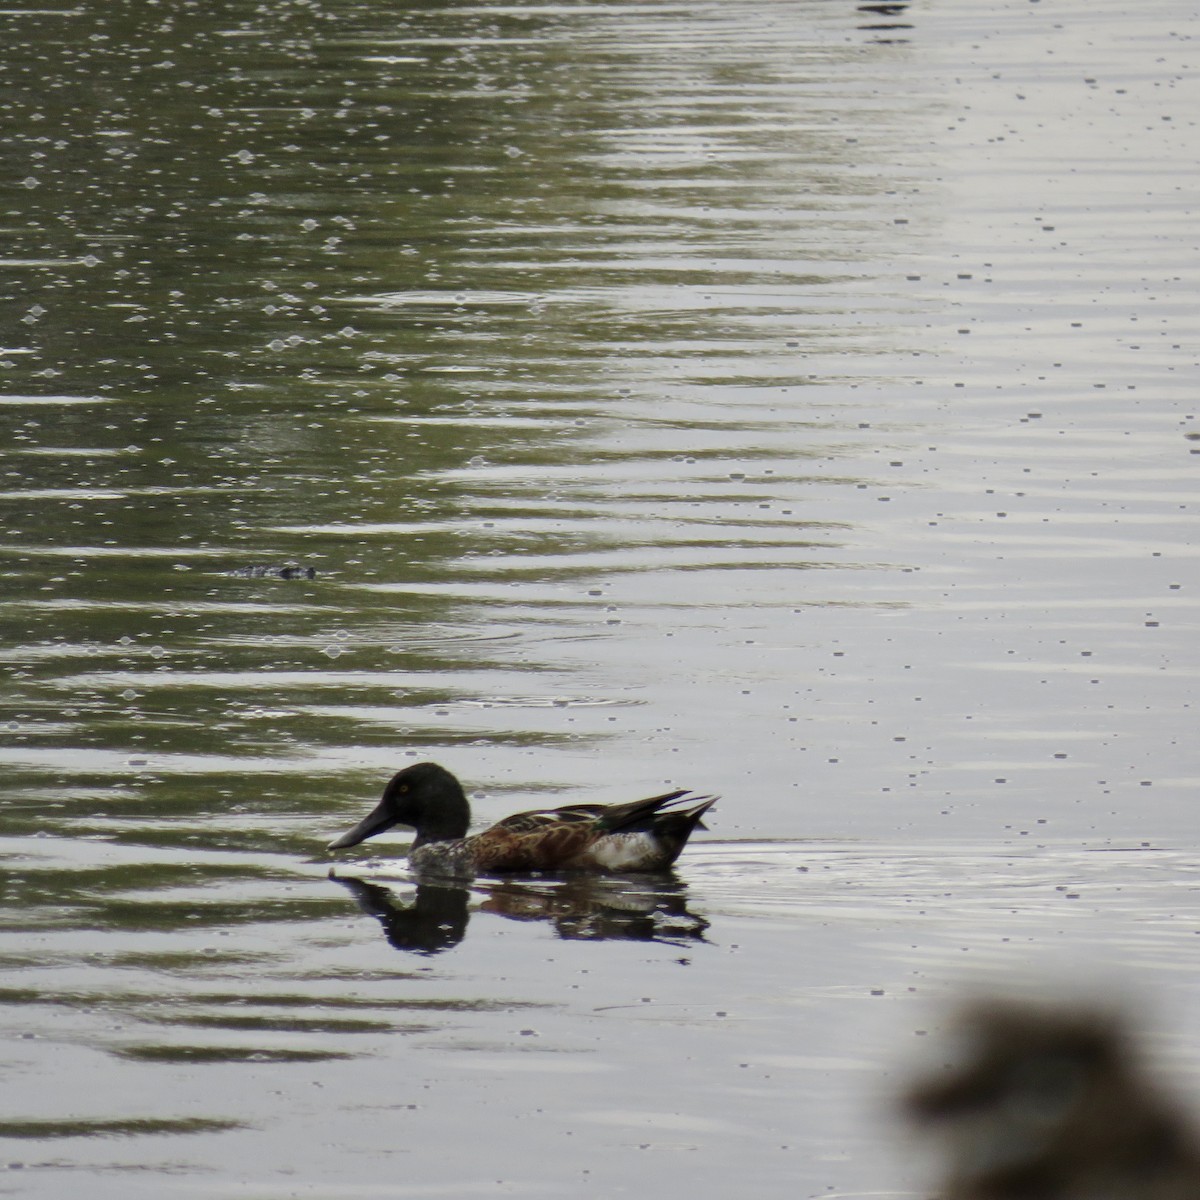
x: 645, y: 835
x: 1052, y: 1102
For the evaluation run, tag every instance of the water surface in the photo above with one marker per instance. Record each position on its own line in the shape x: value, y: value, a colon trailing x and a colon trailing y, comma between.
x: 792, y: 401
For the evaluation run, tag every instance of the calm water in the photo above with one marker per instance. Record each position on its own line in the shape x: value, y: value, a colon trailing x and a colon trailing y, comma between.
x: 788, y: 400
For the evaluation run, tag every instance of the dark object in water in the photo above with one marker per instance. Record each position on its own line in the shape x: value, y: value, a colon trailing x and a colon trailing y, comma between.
x: 1052, y: 1102
x: 286, y: 571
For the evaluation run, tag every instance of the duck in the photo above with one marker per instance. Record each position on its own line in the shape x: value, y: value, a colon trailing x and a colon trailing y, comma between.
x: 1051, y: 1102
x: 643, y: 835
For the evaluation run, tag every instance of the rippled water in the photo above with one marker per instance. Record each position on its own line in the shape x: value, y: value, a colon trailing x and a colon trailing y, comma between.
x: 792, y: 401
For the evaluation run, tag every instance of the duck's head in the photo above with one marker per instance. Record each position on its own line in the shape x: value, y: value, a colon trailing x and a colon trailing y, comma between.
x: 425, y: 797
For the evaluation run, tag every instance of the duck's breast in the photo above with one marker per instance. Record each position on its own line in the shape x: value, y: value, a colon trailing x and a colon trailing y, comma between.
x: 443, y: 858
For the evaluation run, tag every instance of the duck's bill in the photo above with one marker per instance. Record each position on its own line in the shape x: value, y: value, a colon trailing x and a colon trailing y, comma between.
x: 377, y: 821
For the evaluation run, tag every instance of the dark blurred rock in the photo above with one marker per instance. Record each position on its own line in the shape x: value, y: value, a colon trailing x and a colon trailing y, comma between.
x: 1051, y: 1102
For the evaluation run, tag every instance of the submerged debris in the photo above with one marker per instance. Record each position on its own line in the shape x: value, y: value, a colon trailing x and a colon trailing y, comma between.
x: 275, y: 571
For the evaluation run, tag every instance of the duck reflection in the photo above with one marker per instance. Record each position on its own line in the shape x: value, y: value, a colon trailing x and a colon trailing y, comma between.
x: 430, y: 917
x: 598, y: 907
x: 432, y: 921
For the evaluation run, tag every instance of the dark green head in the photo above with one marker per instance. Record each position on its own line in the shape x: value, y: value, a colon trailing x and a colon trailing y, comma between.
x: 424, y: 796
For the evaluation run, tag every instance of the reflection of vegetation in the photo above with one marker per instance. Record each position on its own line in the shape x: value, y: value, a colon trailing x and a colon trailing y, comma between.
x: 162, y: 1005
x: 128, y: 1127
x: 225, y: 1054
x: 274, y: 1023
x: 146, y: 896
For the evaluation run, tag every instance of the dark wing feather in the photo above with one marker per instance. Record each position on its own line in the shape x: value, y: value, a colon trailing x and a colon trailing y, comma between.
x: 549, y: 818
x: 638, y: 814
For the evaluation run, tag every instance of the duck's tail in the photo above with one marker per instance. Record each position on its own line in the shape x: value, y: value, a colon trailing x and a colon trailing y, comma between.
x: 669, y: 822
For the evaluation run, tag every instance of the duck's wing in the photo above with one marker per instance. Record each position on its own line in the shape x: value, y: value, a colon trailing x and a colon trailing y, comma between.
x: 545, y: 847
x: 539, y: 840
